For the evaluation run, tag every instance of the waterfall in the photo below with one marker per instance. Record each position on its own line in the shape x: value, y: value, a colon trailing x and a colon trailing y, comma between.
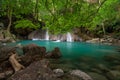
x: 69, y: 37
x: 35, y: 39
x: 57, y: 41
x: 46, y: 35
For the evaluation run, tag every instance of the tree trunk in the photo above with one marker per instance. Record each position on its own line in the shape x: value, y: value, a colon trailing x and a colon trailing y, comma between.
x: 9, y: 18
x: 36, y: 10
x: 103, y: 27
x: 9, y: 14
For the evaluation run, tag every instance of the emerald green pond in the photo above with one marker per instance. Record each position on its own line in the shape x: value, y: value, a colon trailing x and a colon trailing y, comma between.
x: 75, y: 49
x: 78, y: 54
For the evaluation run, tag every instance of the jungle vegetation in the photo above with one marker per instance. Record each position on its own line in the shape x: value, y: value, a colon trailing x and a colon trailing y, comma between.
x: 60, y: 16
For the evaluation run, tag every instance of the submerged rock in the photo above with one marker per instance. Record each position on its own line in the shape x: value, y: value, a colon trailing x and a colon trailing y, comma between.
x: 112, y: 58
x: 54, y: 54
x: 80, y: 74
x: 102, y: 67
x: 116, y: 67
x: 113, y: 75
x: 58, y: 72
x: 97, y: 76
x: 69, y: 77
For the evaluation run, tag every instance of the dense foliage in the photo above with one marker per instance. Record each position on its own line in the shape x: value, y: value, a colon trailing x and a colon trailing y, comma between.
x: 61, y: 16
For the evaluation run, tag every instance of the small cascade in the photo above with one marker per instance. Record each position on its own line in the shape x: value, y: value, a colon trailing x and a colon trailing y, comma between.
x: 46, y: 35
x: 57, y: 41
x: 69, y: 37
x: 35, y: 39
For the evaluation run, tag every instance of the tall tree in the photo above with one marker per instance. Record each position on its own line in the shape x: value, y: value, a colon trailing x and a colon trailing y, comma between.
x: 36, y: 10
x: 106, y: 13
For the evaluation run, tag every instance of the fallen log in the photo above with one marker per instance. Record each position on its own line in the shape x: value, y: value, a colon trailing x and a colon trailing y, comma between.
x: 14, y: 62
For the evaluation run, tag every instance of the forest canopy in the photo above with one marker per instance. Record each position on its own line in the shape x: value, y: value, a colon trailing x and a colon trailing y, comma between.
x: 60, y: 16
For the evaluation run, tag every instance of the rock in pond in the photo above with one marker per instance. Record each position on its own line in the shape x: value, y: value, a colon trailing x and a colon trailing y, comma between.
x: 82, y: 75
x: 58, y: 72
x: 56, y: 53
x: 32, y: 53
x: 97, y: 76
x: 113, y: 75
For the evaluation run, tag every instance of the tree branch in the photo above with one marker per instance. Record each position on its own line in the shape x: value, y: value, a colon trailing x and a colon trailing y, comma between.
x: 96, y: 11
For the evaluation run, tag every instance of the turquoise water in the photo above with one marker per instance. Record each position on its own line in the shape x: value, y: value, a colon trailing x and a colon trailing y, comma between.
x: 78, y: 55
x: 75, y: 49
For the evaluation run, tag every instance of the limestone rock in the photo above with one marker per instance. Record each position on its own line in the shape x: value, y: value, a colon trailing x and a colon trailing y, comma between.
x: 82, y: 75
x: 94, y: 40
x: 58, y: 72
x: 37, y: 34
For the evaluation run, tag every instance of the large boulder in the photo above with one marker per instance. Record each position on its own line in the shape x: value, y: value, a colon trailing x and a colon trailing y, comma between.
x: 5, y: 52
x: 32, y: 49
x: 37, y: 34
x: 32, y: 52
x: 36, y: 71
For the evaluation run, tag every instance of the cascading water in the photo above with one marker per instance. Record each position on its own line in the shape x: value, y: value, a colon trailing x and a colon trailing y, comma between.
x: 46, y: 35
x: 69, y: 37
x: 35, y: 39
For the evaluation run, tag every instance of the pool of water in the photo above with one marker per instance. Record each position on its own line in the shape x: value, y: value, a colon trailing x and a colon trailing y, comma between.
x: 77, y: 55
x: 75, y: 49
